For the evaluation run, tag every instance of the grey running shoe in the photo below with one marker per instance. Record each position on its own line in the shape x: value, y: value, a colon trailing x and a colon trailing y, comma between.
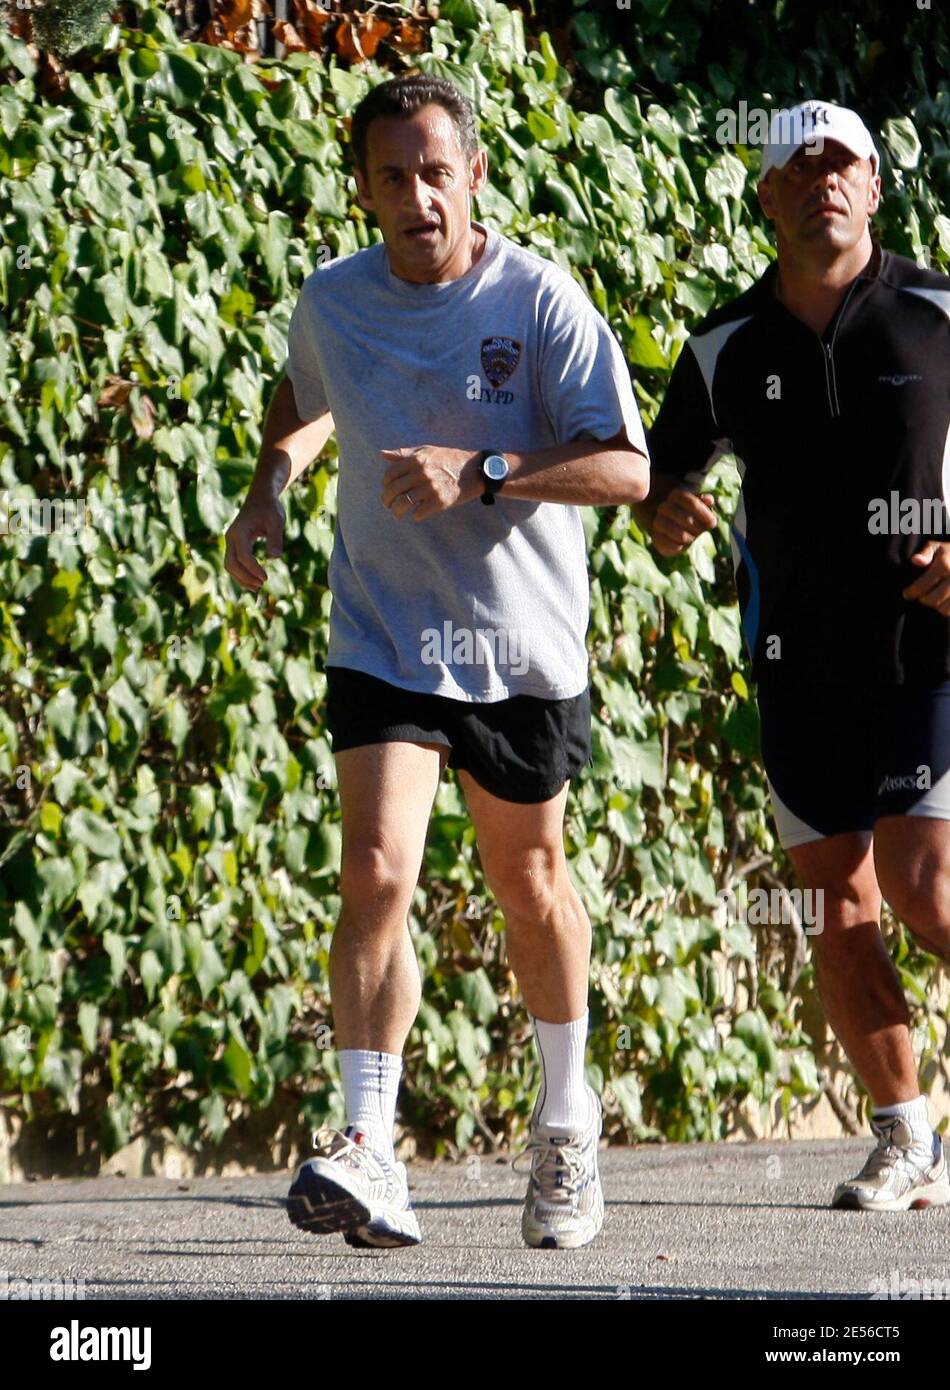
x: 899, y: 1175
x: 348, y: 1186
x: 564, y: 1206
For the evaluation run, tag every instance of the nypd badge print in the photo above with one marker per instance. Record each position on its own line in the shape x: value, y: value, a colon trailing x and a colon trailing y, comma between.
x: 499, y: 357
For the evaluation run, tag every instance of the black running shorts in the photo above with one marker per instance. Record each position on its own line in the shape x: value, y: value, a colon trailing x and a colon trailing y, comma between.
x: 522, y: 749
x: 839, y: 758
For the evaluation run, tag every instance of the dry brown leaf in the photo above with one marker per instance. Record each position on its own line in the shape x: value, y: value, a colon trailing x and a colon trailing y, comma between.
x: 54, y: 79
x: 234, y: 25
x: 20, y: 27
x: 347, y: 45
x: 358, y: 37
x: 232, y: 15
x: 285, y: 33
x: 241, y: 41
x: 372, y: 33
x: 115, y: 392
x: 310, y: 21
x: 411, y: 37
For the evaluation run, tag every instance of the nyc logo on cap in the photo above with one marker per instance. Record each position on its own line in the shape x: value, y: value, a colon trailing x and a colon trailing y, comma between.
x: 500, y: 356
x: 814, y: 114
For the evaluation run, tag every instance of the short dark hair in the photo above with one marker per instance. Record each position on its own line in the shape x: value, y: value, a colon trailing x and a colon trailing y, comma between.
x: 403, y: 97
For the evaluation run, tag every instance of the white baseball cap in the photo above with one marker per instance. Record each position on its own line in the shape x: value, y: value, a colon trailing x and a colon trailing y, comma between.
x: 810, y: 123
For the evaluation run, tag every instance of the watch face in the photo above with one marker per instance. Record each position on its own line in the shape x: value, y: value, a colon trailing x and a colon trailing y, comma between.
x: 496, y: 467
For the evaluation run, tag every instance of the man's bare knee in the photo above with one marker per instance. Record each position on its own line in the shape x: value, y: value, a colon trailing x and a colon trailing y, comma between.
x: 913, y: 867
x: 376, y: 879
x: 924, y: 909
x: 528, y: 885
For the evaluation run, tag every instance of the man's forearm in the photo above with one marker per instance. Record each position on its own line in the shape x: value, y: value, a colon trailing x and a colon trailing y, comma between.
x: 585, y: 473
x: 289, y: 444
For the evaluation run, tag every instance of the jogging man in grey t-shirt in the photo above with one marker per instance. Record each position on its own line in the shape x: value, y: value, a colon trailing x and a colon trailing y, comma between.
x: 479, y: 401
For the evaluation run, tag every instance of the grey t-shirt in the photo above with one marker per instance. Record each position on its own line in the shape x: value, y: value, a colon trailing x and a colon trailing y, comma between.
x: 477, y: 603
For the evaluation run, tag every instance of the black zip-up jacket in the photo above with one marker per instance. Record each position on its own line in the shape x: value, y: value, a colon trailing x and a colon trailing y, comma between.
x: 839, y: 440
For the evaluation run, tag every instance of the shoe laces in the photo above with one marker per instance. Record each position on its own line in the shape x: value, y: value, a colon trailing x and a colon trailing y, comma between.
x: 337, y: 1147
x: 557, y: 1167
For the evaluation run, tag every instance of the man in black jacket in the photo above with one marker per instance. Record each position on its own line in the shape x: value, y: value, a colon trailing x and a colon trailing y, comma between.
x: 829, y: 381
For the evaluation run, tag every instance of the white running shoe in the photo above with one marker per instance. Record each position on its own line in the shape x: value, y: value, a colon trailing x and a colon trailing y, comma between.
x: 564, y: 1206
x: 348, y: 1186
x: 898, y: 1176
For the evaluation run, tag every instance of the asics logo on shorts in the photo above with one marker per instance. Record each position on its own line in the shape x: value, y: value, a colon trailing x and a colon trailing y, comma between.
x: 919, y: 780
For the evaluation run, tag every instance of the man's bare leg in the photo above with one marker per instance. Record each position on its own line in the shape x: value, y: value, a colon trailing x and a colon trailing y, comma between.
x: 353, y: 1184
x: 522, y: 853
x: 865, y: 1005
x: 858, y: 985
x: 549, y: 937
x: 386, y: 796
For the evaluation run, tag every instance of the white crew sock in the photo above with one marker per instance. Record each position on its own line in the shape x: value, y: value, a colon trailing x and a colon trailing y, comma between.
x: 564, y: 1099
x: 370, y: 1086
x: 914, y: 1114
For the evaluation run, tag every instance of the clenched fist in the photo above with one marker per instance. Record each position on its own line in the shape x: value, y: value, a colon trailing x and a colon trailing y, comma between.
x: 680, y: 518
x: 261, y: 516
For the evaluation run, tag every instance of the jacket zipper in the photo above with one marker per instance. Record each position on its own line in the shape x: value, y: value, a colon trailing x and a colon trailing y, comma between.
x: 831, y: 383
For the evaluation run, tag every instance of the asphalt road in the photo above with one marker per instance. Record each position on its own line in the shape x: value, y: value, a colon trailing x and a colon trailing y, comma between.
x: 715, y: 1221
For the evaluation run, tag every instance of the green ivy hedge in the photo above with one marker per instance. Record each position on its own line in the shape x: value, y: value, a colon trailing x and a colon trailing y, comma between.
x: 170, y: 826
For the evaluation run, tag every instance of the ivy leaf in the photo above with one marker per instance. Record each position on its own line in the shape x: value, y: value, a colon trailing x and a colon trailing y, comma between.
x: 725, y: 178
x: 152, y: 973
x: 210, y: 970
x: 478, y: 995
x: 88, y: 1016
x: 752, y: 1028
x: 466, y: 1045
x: 85, y: 827
x: 238, y: 1062
x: 60, y: 712
x: 626, y: 1089
x: 115, y: 950
x: 725, y: 631
x: 902, y: 140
